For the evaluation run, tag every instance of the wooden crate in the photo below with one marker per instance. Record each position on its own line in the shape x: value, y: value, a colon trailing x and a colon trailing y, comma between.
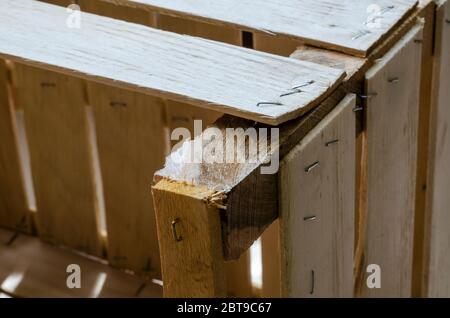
x: 360, y: 179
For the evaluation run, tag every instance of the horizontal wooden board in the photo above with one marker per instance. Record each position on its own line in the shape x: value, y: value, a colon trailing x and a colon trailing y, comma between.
x: 208, y: 74
x: 350, y: 26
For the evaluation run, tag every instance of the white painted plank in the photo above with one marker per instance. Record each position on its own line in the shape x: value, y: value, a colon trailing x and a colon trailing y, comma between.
x: 208, y: 74
x: 347, y: 25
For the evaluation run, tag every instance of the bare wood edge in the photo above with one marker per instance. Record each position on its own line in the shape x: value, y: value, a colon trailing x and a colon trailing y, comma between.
x: 315, y: 43
x: 189, y: 235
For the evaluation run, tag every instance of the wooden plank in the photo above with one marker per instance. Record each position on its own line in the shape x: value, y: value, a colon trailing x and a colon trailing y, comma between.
x: 340, y: 25
x: 215, y: 76
x: 55, y: 122
x: 271, y: 261
x: 181, y: 115
x: 14, y: 212
x: 132, y: 145
x: 435, y: 278
x: 317, y: 209
x: 392, y: 123
x: 190, y: 240
x: 33, y: 269
x: 423, y: 145
x: 275, y: 45
x: 239, y: 277
x: 116, y: 11
x: 200, y: 29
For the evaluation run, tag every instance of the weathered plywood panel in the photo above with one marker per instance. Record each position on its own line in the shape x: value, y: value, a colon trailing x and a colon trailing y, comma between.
x: 317, y: 181
x: 56, y: 127
x: 436, y: 280
x: 208, y: 74
x: 132, y: 146
x: 350, y: 26
x: 392, y: 123
x: 13, y: 207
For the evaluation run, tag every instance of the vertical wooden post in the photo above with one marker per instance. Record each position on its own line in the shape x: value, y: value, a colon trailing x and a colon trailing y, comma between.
x: 13, y: 207
x: 392, y: 122
x: 317, y: 181
x: 189, y: 235
x: 435, y: 277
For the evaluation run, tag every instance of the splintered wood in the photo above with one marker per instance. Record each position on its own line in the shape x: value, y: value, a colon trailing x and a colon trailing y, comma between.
x: 353, y: 27
x: 213, y: 75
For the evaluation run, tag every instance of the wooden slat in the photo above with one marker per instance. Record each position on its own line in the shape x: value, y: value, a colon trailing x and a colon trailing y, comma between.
x: 317, y: 254
x: 200, y: 29
x: 435, y: 277
x: 191, y: 250
x: 14, y: 212
x: 181, y: 115
x: 423, y: 153
x: 132, y: 146
x: 341, y: 25
x: 392, y: 123
x: 115, y: 11
x: 214, y: 75
x: 271, y: 261
x: 56, y: 127
x: 30, y: 268
x: 239, y: 277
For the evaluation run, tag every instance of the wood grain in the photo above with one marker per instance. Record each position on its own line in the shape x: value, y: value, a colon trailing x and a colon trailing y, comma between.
x: 338, y: 25
x: 435, y: 278
x: 392, y: 123
x: 200, y: 29
x: 132, y: 146
x: 317, y: 254
x: 33, y: 269
x: 115, y: 11
x: 208, y: 74
x: 14, y: 212
x: 55, y: 122
x: 191, y: 254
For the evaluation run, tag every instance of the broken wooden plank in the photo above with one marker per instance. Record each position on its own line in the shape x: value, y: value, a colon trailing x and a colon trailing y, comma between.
x: 56, y: 127
x: 393, y: 85
x: 317, y: 181
x: 204, y: 73
x: 353, y: 27
x: 190, y: 240
x: 33, y: 269
x: 14, y: 212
